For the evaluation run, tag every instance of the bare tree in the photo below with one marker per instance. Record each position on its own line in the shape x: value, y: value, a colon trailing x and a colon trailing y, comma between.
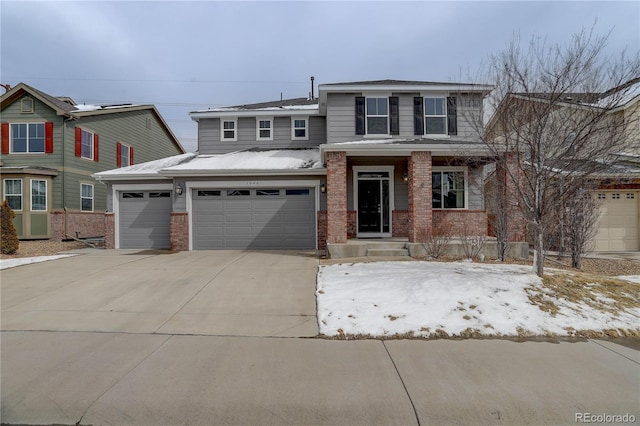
x: 438, y: 242
x: 579, y: 223
x: 555, y: 112
x: 471, y: 244
x: 497, y: 203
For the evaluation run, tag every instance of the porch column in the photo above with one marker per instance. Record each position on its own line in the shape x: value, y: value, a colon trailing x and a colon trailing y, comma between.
x: 336, y: 197
x: 420, y: 194
x: 509, y: 175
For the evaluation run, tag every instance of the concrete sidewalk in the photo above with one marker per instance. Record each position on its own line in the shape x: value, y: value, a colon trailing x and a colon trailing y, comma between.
x: 125, y: 379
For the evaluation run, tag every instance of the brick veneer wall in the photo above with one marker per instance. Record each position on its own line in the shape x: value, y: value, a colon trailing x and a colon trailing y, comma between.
x: 420, y: 209
x: 516, y: 223
x: 336, y: 197
x: 400, y: 223
x: 322, y: 230
x: 352, y: 223
x: 109, y: 230
x: 454, y: 221
x: 179, y: 231
x: 79, y: 224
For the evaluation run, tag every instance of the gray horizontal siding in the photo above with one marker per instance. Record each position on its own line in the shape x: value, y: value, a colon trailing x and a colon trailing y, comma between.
x: 209, y: 142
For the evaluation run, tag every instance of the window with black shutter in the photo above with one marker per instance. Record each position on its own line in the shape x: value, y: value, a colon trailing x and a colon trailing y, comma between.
x: 418, y: 116
x: 360, y: 115
x: 394, y: 116
x: 452, y: 115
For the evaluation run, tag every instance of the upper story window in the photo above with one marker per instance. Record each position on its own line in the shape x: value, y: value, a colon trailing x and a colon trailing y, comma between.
x: 27, y: 137
x: 299, y: 128
x: 124, y: 155
x: 377, y: 116
x: 13, y: 193
x: 435, y: 115
x: 38, y: 195
x: 87, y: 144
x: 86, y: 197
x: 264, y: 129
x: 228, y: 130
x: 448, y: 189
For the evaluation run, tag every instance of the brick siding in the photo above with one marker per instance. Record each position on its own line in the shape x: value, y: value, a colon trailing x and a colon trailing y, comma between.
x: 336, y: 197
x: 400, y: 223
x: 79, y: 224
x: 179, y: 230
x: 420, y: 209
x: 109, y: 230
x: 454, y: 221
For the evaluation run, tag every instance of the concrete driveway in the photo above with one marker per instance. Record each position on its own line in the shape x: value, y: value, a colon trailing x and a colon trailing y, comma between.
x: 233, y: 293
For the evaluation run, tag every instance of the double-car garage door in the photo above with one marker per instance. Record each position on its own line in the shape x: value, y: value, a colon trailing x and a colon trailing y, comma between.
x: 255, y: 218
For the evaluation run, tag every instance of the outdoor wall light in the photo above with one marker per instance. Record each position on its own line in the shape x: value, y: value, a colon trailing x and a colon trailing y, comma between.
x: 405, y: 177
x: 178, y: 190
x: 323, y: 188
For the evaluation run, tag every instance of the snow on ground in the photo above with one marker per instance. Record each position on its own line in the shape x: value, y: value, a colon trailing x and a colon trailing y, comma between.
x: 421, y: 298
x: 12, y: 263
x: 632, y: 278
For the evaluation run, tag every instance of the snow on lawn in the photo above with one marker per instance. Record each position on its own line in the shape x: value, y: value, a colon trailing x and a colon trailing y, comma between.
x: 460, y: 299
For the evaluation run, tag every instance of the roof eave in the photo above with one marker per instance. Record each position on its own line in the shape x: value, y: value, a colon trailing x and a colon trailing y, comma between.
x: 124, y: 176
x: 463, y: 150
x: 196, y: 115
x: 244, y: 172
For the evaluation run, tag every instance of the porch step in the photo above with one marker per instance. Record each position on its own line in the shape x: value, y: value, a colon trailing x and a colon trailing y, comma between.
x: 388, y: 252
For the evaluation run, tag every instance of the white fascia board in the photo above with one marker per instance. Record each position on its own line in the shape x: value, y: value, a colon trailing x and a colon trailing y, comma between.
x: 243, y: 172
x: 483, y: 88
x: 196, y: 115
x: 407, y: 149
x: 125, y: 177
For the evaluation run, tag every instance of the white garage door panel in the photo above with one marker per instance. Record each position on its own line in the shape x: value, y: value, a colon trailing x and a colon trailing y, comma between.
x: 263, y: 219
x: 144, y: 222
x: 618, y: 227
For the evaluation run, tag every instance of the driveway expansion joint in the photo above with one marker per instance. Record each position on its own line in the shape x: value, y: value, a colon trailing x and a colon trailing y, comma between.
x: 413, y: 406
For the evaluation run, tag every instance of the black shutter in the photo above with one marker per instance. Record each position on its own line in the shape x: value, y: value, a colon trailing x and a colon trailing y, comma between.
x: 418, y: 116
x: 394, y: 116
x: 360, y: 115
x: 452, y: 115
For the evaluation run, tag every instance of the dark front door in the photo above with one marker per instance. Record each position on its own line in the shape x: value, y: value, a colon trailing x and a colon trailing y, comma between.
x: 369, y: 207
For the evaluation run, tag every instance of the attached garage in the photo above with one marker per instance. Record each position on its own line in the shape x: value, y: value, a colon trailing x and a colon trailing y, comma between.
x: 254, y: 218
x: 144, y: 219
x: 618, y: 228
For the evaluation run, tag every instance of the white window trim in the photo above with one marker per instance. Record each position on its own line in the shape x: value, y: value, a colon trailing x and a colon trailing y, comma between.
x: 124, y: 145
x: 4, y: 191
x: 235, y: 129
x: 366, y: 116
x: 46, y: 195
x: 445, y: 116
x: 93, y: 144
x: 93, y: 196
x: 466, y: 184
x: 258, y: 120
x: 44, y: 148
x: 293, y: 129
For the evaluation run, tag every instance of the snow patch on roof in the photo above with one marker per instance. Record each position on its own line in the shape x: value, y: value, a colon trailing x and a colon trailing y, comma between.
x: 373, y: 141
x: 150, y: 167
x: 273, y: 108
x: 279, y: 159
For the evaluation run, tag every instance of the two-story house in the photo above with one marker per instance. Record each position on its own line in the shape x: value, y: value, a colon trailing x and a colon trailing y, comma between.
x: 50, y: 148
x: 364, y: 160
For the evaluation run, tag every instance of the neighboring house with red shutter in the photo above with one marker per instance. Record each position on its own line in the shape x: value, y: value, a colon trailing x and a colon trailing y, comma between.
x: 50, y: 148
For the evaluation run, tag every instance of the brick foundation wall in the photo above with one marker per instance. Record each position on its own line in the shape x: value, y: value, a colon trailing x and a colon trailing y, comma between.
x: 110, y: 230
x: 322, y: 230
x: 454, y: 221
x: 420, y: 209
x: 352, y: 224
x: 336, y: 197
x: 179, y: 230
x: 79, y: 224
x: 400, y: 223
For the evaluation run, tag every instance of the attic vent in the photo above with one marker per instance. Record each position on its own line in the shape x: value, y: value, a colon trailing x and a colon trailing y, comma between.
x: 26, y: 105
x: 148, y: 123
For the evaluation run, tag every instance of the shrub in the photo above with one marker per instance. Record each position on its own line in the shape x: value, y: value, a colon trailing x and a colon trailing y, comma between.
x: 8, y: 236
x: 438, y: 243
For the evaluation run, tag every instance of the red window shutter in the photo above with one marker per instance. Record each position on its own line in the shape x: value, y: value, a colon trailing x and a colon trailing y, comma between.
x: 131, y: 156
x: 96, y: 147
x: 5, y: 138
x: 78, y: 142
x: 48, y: 137
x: 118, y: 154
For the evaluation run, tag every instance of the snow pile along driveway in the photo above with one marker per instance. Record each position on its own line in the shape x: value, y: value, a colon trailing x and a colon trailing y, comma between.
x: 434, y: 299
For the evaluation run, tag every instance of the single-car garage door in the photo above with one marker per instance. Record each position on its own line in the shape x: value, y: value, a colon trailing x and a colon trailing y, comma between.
x: 144, y: 219
x: 618, y: 226
x: 263, y: 219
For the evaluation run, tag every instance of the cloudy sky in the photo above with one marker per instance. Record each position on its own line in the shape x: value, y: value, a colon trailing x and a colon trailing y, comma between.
x: 184, y: 56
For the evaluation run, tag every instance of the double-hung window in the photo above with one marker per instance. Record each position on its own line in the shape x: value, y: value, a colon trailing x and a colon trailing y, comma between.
x: 299, y: 129
x: 86, y: 197
x: 449, y: 189
x: 87, y: 145
x: 124, y: 155
x: 435, y: 116
x: 13, y: 193
x: 38, y: 195
x: 264, y: 129
x: 377, y: 113
x: 27, y: 137
x: 228, y: 130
